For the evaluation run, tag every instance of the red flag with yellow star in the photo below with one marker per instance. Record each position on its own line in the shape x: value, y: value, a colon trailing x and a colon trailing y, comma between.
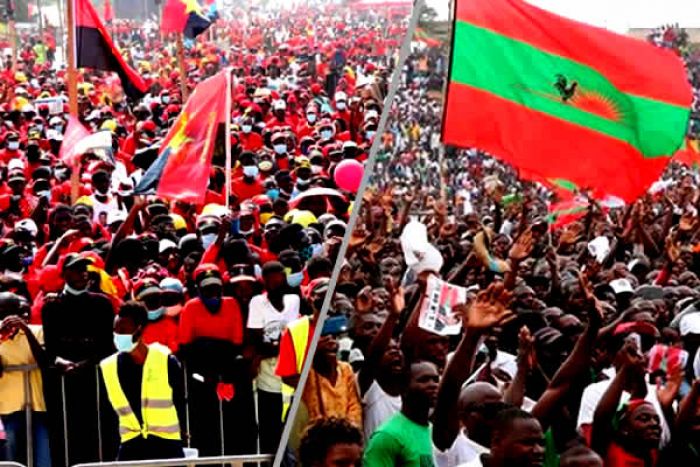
x: 181, y: 170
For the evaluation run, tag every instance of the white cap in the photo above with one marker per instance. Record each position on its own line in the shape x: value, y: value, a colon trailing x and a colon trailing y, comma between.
x: 55, y: 121
x: 349, y: 144
x: 165, y: 245
x: 690, y: 324
x: 340, y: 96
x: 621, y: 286
x: 371, y: 114
x: 27, y: 225
x: 115, y: 216
x: 28, y: 108
x: 15, y: 164
x: 279, y: 104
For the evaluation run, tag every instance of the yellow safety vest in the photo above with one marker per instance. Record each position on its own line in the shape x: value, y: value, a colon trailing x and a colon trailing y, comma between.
x: 299, y: 332
x: 157, y: 409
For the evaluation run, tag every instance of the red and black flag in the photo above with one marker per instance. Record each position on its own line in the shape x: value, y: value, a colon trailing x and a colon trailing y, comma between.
x: 186, y: 17
x: 94, y: 49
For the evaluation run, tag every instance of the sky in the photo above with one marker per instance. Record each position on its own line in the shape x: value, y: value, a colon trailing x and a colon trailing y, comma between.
x: 617, y: 15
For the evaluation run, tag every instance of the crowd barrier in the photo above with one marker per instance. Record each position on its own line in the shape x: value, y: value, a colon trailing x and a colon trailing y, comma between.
x: 230, y: 460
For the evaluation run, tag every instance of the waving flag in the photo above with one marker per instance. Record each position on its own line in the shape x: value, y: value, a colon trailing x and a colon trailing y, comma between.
x: 689, y: 154
x: 108, y: 12
x: 187, y: 17
x: 181, y: 170
x: 563, y: 100
x: 94, y: 49
x: 75, y: 132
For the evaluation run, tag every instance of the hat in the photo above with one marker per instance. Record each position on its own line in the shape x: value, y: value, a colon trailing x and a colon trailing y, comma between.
x: 115, y: 216
x: 316, y: 286
x: 165, y: 245
x: 640, y: 327
x: 690, y: 324
x: 279, y: 104
x: 207, y: 274
x: 27, y: 225
x: 241, y: 273
x: 146, y: 287
x: 73, y: 260
x: 621, y: 286
x: 15, y: 164
x: 172, y: 285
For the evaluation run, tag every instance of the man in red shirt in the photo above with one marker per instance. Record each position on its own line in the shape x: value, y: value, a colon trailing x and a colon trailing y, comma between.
x: 249, y: 185
x: 250, y: 140
x: 160, y: 329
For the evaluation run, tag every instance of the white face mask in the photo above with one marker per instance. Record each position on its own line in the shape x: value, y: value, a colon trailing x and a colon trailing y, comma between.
x: 246, y: 128
x: 326, y: 134
x: 340, y: 105
x: 13, y: 145
x: 70, y: 290
x: 316, y: 169
x: 208, y: 239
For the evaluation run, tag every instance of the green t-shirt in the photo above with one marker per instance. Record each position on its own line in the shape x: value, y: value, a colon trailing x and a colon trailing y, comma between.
x: 400, y: 442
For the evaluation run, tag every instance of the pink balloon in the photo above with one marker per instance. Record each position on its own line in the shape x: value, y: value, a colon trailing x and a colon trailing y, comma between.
x: 348, y: 175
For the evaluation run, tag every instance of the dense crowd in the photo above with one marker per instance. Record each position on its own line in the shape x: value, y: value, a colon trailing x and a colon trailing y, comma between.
x: 195, y: 299
x: 485, y: 331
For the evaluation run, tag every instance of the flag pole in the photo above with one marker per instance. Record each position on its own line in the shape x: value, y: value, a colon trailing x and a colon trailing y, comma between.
x: 227, y: 136
x: 181, y: 64
x: 72, y: 90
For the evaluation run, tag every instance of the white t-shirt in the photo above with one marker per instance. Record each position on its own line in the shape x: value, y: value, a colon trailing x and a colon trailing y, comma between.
x: 378, y: 407
x: 594, y: 393
x: 101, y: 209
x: 463, y: 451
x: 262, y: 315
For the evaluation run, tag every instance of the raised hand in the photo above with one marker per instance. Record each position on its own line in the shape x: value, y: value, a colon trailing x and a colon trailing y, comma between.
x: 668, y: 392
x: 488, y: 309
x: 527, y: 357
x: 363, y: 302
x: 522, y: 247
x: 596, y: 310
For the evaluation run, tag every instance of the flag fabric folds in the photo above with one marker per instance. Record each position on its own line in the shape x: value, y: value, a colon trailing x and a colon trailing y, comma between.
x: 186, y: 17
x: 78, y: 140
x: 563, y: 100
x: 689, y: 154
x: 182, y: 168
x: 108, y: 12
x: 94, y: 49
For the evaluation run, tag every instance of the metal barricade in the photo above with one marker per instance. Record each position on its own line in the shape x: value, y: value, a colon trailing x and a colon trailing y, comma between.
x: 29, y: 425
x: 10, y: 464
x: 233, y: 461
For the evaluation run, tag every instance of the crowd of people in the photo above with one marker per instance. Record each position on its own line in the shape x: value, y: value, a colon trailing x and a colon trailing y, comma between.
x: 482, y: 332
x: 134, y: 327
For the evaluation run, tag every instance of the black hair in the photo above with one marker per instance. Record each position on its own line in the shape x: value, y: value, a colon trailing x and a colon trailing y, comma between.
x: 322, y: 435
x: 572, y: 455
x: 317, y: 266
x: 505, y: 419
x: 135, y: 311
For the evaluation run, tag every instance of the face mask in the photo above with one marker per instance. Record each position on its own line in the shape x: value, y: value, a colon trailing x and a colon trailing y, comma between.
x: 273, y: 193
x: 280, y: 148
x: 44, y: 194
x: 250, y: 170
x: 58, y: 128
x: 316, y: 169
x: 316, y: 249
x: 257, y: 270
x: 165, y: 99
x: 39, y: 127
x: 246, y: 128
x: 294, y: 279
x: 61, y: 173
x: 265, y: 166
x: 153, y: 315
x: 13, y: 145
x: 311, y: 118
x: 369, y: 134
x: 264, y: 217
x: 70, y: 290
x: 303, y: 183
x: 305, y: 253
x: 101, y: 193
x: 208, y: 239
x: 340, y: 105
x: 212, y: 304
x: 326, y: 134
x: 124, y: 342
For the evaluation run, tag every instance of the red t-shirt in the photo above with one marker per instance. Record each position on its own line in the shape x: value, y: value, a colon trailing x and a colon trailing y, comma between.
x: 251, y: 141
x: 163, y: 331
x: 196, y: 321
x: 287, y: 361
x: 246, y: 190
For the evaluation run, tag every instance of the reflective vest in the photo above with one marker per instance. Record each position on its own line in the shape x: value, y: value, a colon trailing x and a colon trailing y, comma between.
x: 299, y: 332
x: 157, y: 409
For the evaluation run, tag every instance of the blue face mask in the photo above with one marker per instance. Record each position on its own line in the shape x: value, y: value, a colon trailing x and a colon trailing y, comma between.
x: 280, y: 148
x: 246, y: 128
x: 369, y: 135
x: 316, y: 249
x: 311, y: 118
x: 165, y: 99
x: 154, y: 315
x: 294, y: 279
x: 208, y: 239
x: 273, y: 193
x: 124, y: 342
x: 27, y: 261
x: 212, y: 304
x: 250, y: 170
x: 326, y: 134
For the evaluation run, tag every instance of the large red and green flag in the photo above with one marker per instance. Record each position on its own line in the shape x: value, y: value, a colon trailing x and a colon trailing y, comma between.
x: 181, y: 170
x: 563, y: 100
x: 94, y: 49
